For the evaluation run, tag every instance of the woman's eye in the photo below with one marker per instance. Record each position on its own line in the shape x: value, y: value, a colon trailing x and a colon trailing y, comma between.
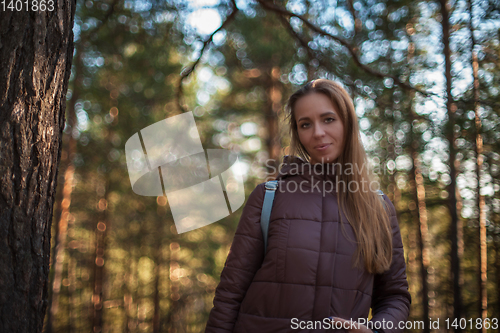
x: 304, y: 125
x: 329, y: 120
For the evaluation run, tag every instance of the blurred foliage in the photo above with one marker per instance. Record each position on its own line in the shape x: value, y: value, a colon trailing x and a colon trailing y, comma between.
x: 128, y: 60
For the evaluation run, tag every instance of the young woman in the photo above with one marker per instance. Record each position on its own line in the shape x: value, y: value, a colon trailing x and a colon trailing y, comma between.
x: 334, y: 246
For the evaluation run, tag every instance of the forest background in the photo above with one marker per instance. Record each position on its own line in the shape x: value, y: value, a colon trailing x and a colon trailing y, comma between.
x: 424, y: 76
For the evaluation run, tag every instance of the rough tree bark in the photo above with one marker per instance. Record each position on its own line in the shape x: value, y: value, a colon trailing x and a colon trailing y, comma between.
x: 36, y: 50
x: 63, y: 202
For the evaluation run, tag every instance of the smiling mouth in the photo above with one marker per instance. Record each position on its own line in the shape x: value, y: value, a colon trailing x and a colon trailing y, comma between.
x: 323, y: 146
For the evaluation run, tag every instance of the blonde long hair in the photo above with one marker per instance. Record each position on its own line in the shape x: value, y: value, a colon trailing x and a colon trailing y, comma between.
x: 363, y: 209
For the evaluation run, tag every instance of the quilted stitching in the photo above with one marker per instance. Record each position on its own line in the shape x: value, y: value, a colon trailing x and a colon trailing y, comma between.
x: 308, y: 271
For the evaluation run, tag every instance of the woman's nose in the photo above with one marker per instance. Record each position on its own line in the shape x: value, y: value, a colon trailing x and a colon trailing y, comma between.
x: 318, y: 131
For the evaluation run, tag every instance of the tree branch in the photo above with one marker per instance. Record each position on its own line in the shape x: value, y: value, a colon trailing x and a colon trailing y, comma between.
x: 313, y: 54
x: 102, y: 23
x: 187, y: 71
x: 352, y: 49
x: 357, y: 21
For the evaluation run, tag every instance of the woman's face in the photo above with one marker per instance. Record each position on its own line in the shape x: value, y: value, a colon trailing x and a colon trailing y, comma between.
x: 320, y: 128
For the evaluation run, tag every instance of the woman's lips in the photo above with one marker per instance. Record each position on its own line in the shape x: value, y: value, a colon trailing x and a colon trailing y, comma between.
x: 322, y: 147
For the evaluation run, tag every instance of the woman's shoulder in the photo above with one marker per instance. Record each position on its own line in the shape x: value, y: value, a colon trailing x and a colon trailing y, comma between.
x: 257, y: 194
x: 256, y: 197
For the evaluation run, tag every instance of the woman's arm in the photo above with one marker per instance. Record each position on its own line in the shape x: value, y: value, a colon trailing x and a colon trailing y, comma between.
x: 244, y: 259
x: 391, y: 299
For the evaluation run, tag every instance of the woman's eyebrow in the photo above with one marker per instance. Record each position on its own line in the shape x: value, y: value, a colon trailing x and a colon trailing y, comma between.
x: 321, y: 115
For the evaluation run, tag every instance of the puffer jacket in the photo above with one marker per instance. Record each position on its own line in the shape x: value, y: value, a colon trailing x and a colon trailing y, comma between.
x: 307, y: 274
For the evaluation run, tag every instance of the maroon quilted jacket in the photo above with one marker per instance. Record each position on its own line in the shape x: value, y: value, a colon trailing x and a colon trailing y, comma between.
x: 307, y: 274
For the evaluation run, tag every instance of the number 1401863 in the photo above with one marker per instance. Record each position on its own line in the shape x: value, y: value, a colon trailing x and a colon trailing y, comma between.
x: 27, y: 5
x: 478, y: 323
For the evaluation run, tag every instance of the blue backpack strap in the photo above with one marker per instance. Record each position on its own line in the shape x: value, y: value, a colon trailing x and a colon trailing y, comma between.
x: 381, y: 196
x: 271, y: 187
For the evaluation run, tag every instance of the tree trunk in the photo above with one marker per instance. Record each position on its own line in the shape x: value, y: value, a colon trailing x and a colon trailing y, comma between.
x: 130, y: 295
x: 158, y: 257
x: 483, y: 250
x: 173, y: 316
x: 420, y: 211
x: 102, y: 227
x: 63, y: 215
x: 496, y: 243
x: 156, y: 296
x: 273, y: 107
x: 36, y: 50
x: 452, y: 189
x: 483, y: 255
